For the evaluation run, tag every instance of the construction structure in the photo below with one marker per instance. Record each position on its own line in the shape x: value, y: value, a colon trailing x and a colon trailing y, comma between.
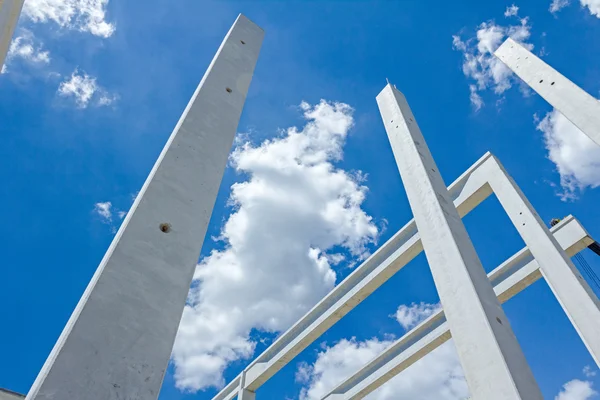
x: 10, y: 10
x: 579, y: 107
x: 117, y: 343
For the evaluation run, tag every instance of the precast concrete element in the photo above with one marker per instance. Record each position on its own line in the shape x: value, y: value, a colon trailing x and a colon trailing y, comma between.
x: 579, y: 107
x: 10, y: 10
x: 510, y: 278
x: 118, y: 341
x: 494, y: 364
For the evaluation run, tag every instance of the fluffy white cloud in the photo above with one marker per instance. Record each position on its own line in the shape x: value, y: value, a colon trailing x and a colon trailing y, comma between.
x: 511, y: 11
x: 436, y: 376
x: 293, y: 217
x: 83, y: 15
x: 576, y: 390
x: 479, y: 63
x: 410, y: 316
x: 558, y: 5
x: 83, y: 88
x: 593, y: 6
x: 576, y: 156
x: 104, y: 210
x: 26, y: 47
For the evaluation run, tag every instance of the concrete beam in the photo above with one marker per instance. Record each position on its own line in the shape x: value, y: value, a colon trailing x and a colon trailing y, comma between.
x: 510, y: 278
x: 579, y: 107
x: 118, y: 341
x: 573, y: 293
x: 494, y: 364
x: 10, y: 10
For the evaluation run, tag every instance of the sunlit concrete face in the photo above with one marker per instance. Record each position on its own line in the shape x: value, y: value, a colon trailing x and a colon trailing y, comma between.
x: 118, y: 341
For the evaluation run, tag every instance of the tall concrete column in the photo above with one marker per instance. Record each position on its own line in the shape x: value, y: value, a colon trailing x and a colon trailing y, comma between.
x: 573, y: 293
x: 494, y: 364
x: 118, y: 341
x: 582, y: 109
x: 9, y: 16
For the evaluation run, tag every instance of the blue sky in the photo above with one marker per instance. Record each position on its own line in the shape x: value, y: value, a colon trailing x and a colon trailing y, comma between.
x: 92, y: 89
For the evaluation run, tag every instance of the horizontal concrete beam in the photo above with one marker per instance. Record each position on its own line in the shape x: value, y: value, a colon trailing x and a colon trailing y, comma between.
x: 510, y: 278
x: 466, y: 192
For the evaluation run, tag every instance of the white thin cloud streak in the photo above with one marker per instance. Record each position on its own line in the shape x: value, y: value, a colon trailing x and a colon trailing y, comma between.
x: 82, y: 15
x: 479, y: 63
x: 104, y: 210
x: 411, y: 316
x: 576, y: 156
x: 85, y: 90
x: 28, y: 48
x: 295, y: 216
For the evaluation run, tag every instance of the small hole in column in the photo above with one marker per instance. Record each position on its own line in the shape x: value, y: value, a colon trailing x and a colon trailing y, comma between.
x: 165, y: 227
x: 242, y: 42
x: 541, y: 80
x: 552, y: 84
x: 228, y: 90
x: 499, y: 321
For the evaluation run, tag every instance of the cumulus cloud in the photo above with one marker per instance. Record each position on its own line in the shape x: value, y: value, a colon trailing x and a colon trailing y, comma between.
x: 436, y: 376
x: 26, y: 47
x: 576, y: 390
x: 84, y: 89
x: 82, y: 15
x: 577, y: 157
x: 511, y: 11
x: 104, y: 210
x: 479, y: 62
x: 293, y: 217
x: 593, y: 6
x: 410, y: 316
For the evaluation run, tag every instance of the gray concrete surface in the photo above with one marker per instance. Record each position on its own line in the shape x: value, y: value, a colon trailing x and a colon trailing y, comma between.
x: 579, y: 107
x: 494, y: 365
x: 10, y: 10
x: 118, y: 341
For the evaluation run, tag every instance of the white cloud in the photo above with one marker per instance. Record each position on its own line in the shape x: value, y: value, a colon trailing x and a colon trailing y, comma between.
x: 28, y: 48
x: 83, y: 88
x: 576, y: 390
x: 577, y: 157
x: 511, y: 11
x: 480, y: 64
x: 83, y: 15
x: 104, y: 210
x: 293, y: 216
x: 593, y: 6
x: 411, y: 316
x: 558, y: 5
x: 589, y: 372
x: 436, y: 376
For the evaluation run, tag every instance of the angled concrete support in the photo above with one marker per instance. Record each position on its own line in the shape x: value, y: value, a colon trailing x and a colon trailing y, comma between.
x: 494, y: 364
x: 582, y: 109
x: 10, y: 10
x: 243, y: 393
x: 571, y: 290
x: 510, y: 278
x: 118, y: 341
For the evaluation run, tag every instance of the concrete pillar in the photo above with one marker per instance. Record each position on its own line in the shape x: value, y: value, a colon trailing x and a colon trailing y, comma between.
x: 494, y: 364
x: 9, y: 16
x: 582, y: 109
x: 118, y: 341
x: 573, y: 293
x: 243, y: 392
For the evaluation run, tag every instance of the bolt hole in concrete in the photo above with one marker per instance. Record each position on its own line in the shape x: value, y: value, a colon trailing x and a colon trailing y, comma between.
x: 498, y: 319
x: 228, y: 90
x: 242, y: 42
x: 552, y: 84
x: 165, y: 228
x: 541, y: 80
